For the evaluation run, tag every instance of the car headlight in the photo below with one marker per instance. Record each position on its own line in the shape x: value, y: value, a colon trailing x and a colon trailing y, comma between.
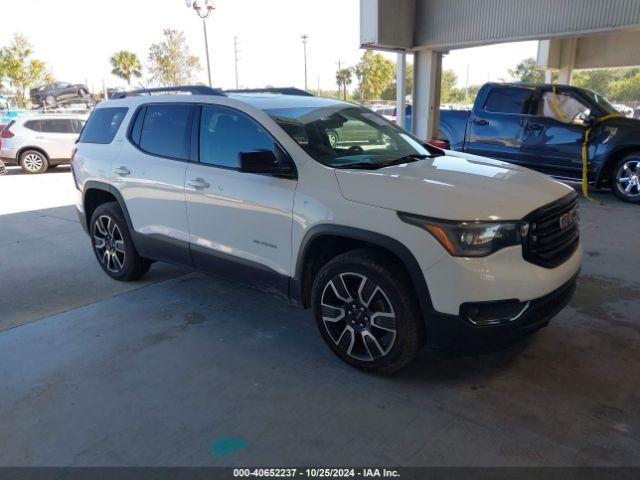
x: 470, y: 239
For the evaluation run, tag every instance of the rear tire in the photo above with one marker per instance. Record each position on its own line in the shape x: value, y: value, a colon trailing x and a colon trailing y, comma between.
x: 626, y: 178
x: 33, y: 161
x: 366, y: 312
x: 113, y: 246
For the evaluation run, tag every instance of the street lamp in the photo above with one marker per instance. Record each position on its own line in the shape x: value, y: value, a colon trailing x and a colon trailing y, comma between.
x: 203, y: 11
x: 305, y: 37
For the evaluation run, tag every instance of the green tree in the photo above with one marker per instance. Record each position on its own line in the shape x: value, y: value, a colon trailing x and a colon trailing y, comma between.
x: 626, y: 88
x: 448, y: 91
x: 390, y: 91
x: 21, y: 71
x: 527, y: 71
x: 375, y: 74
x: 170, y: 61
x: 343, y: 79
x: 126, y: 65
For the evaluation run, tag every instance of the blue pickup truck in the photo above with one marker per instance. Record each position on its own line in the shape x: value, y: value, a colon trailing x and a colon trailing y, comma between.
x: 543, y: 127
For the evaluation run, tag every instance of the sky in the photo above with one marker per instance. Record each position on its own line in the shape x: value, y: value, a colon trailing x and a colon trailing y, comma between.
x: 76, y: 38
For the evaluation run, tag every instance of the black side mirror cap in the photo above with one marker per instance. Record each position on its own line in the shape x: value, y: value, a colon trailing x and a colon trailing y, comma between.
x: 265, y: 162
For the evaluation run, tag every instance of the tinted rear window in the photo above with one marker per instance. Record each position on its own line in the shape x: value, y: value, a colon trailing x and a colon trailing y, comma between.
x: 57, y: 125
x: 508, y: 100
x: 166, y: 130
x: 33, y: 125
x: 103, y: 124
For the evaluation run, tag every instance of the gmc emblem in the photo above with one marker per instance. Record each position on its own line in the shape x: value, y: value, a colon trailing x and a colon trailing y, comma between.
x: 568, y: 219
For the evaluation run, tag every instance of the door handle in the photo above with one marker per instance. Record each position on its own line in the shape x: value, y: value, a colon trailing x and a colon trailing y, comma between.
x: 479, y: 121
x: 198, y: 183
x: 122, y: 171
x: 535, y: 127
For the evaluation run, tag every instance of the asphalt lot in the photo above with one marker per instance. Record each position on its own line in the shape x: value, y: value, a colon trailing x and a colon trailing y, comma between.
x: 183, y: 369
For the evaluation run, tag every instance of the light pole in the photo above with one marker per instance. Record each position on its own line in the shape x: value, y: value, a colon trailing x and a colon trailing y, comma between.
x: 305, y: 37
x: 203, y: 12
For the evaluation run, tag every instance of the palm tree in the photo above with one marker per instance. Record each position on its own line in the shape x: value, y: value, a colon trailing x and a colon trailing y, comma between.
x: 126, y: 65
x: 343, y: 78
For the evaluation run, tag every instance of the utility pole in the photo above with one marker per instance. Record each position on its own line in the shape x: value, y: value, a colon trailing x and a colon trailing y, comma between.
x: 236, y: 51
x: 305, y: 37
x: 339, y: 82
x: 466, y: 89
x: 203, y: 11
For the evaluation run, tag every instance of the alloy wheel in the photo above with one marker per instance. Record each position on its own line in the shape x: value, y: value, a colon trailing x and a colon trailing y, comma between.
x: 628, y: 178
x: 333, y: 138
x: 109, y: 243
x: 33, y: 162
x: 358, y: 316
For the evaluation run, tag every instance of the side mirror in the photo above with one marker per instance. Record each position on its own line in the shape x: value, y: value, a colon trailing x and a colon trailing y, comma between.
x: 265, y: 162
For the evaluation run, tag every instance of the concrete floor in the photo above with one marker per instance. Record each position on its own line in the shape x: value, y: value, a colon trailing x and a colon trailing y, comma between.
x: 185, y: 369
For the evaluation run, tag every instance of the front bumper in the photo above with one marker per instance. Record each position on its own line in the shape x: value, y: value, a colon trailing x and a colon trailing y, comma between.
x: 452, y: 333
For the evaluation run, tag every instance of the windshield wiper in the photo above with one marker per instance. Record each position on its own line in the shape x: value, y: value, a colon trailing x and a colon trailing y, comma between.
x: 413, y: 157
x: 389, y: 163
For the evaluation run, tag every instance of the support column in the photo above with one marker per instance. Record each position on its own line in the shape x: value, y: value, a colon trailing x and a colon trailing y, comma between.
x: 401, y: 89
x: 427, y: 78
x: 567, y: 60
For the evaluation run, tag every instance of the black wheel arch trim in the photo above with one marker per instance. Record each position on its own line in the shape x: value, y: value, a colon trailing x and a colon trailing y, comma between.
x: 606, y: 166
x: 377, y: 239
x: 34, y: 148
x: 105, y: 187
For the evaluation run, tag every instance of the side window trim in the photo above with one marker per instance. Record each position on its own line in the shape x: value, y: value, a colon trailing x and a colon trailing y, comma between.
x: 281, y: 150
x: 145, y: 107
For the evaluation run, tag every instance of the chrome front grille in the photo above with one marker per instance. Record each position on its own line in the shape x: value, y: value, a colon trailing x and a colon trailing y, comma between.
x: 554, y: 233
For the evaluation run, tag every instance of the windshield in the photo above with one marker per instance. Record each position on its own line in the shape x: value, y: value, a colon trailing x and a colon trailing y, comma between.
x: 342, y: 136
x: 602, y: 102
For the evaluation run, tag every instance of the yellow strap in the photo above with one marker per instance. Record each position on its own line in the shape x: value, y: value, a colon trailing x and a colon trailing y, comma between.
x: 585, y: 142
x: 556, y: 107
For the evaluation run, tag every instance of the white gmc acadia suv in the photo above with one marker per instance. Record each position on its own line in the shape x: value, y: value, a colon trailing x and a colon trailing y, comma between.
x: 394, y: 244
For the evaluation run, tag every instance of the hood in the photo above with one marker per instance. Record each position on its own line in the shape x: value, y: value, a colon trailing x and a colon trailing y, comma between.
x: 628, y: 124
x: 456, y: 186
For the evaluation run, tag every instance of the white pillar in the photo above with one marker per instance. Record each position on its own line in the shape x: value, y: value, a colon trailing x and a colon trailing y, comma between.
x: 427, y: 77
x: 548, y: 76
x: 567, y: 60
x: 401, y: 89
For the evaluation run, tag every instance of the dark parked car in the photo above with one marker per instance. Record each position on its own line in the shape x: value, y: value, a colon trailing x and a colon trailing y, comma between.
x: 529, y: 125
x: 351, y: 131
x: 53, y: 93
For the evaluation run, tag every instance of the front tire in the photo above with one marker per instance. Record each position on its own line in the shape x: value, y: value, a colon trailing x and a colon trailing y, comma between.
x: 366, y: 312
x: 112, y: 244
x: 626, y: 178
x: 32, y: 161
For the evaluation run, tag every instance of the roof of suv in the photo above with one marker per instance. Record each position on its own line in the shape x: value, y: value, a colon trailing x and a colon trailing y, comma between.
x: 266, y: 101
x: 261, y: 101
x: 46, y: 116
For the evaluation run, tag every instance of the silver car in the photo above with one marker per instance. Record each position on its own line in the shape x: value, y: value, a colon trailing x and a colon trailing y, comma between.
x: 40, y: 142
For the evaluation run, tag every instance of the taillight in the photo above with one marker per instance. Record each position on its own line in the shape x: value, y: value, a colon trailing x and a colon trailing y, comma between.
x: 6, y: 132
x: 439, y: 143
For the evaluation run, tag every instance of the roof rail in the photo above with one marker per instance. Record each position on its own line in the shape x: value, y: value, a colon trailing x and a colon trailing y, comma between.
x: 192, y: 89
x: 279, y: 91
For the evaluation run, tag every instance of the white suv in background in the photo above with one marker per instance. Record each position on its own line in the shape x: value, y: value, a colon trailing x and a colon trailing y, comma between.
x: 40, y: 142
x: 394, y: 245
